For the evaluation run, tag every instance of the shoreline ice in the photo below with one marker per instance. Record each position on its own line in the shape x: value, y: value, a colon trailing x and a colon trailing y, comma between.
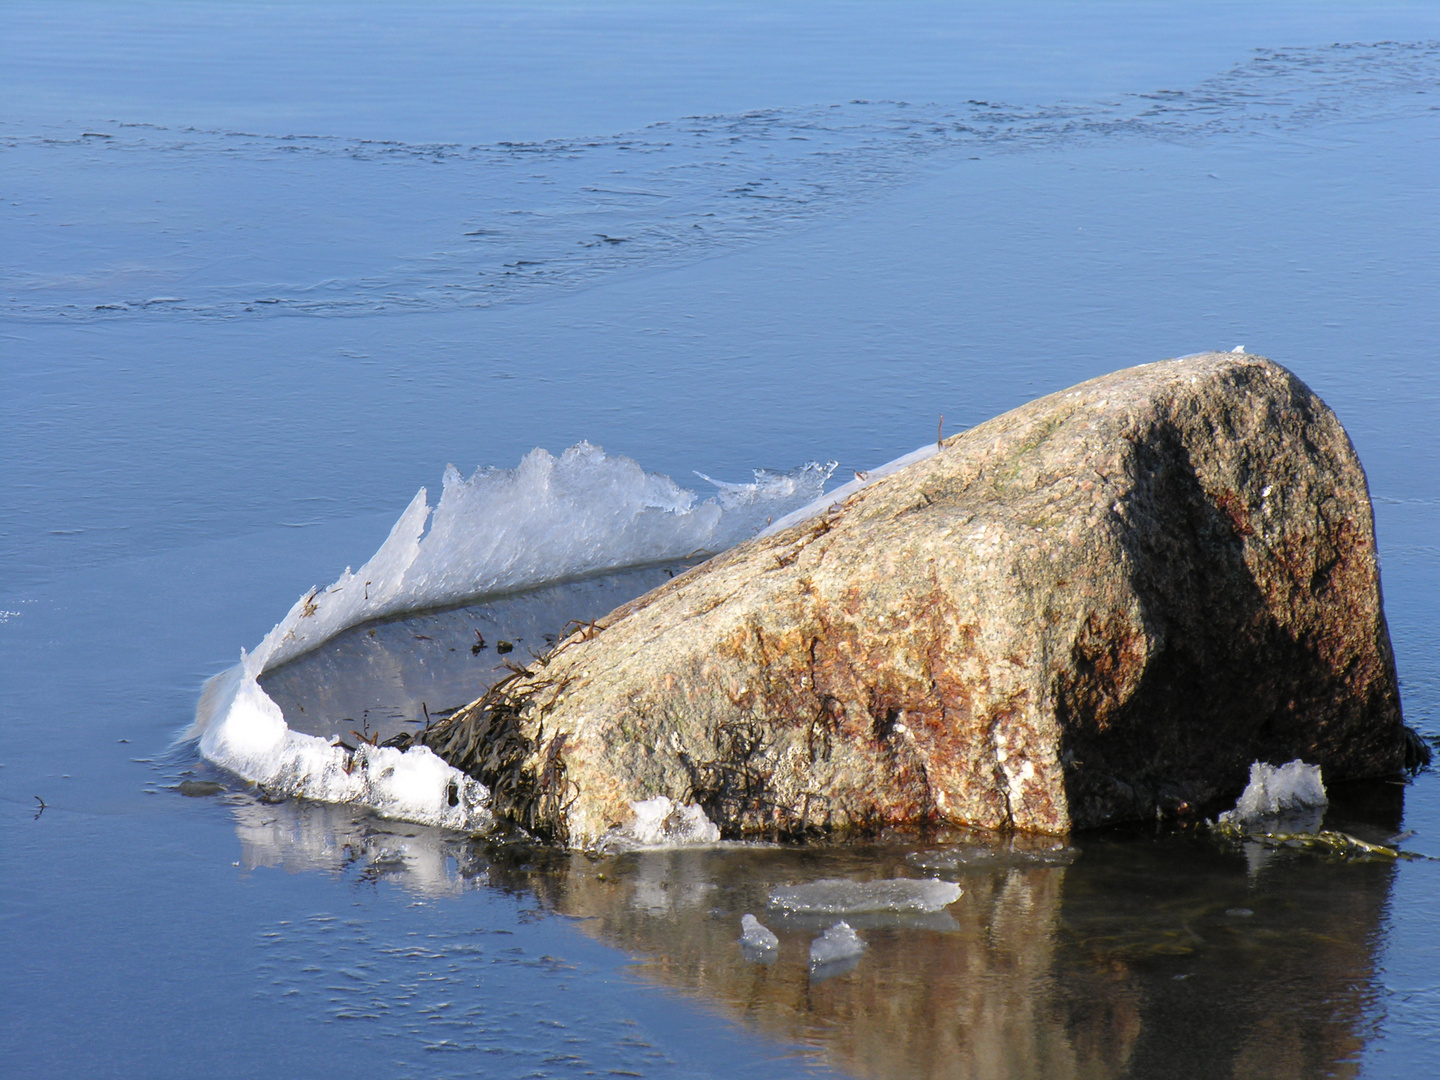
x: 548, y: 520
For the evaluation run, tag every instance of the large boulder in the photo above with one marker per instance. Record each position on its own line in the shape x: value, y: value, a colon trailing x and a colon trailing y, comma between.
x: 1105, y: 603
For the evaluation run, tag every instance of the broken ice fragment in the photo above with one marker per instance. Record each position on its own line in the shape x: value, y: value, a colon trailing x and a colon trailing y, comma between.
x: 660, y: 823
x: 1278, y: 790
x: 755, y: 936
x: 840, y: 942
x: 840, y: 896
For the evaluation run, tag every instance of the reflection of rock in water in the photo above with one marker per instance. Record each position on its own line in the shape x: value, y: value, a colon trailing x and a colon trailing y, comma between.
x: 973, y: 1000
x: 1237, y: 971
x: 296, y: 836
x: 1139, y: 960
x: 1148, y: 956
x: 385, y: 676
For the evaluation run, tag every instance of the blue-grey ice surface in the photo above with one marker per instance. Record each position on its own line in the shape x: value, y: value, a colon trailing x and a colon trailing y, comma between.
x: 268, y: 268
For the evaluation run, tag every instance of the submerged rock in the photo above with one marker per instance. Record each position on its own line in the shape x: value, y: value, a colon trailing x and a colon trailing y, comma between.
x: 1106, y: 602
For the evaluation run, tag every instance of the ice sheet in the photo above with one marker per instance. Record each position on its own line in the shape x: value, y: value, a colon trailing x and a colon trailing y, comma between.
x: 549, y: 520
x: 841, y: 896
x: 1275, y: 790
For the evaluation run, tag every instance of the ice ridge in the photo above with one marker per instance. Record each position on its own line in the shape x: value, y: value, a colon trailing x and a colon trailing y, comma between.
x: 546, y: 520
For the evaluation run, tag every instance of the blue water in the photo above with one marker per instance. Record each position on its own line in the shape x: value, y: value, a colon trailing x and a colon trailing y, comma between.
x: 309, y: 253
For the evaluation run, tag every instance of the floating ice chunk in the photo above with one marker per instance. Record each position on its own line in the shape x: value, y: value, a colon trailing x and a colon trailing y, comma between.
x: 840, y: 942
x: 660, y: 823
x: 840, y: 896
x: 755, y: 936
x: 1278, y: 790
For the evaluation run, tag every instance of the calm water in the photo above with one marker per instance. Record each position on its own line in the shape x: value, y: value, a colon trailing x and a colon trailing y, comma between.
x: 268, y: 268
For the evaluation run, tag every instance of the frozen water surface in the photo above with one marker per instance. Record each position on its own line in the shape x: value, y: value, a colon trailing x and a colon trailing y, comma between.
x: 269, y: 267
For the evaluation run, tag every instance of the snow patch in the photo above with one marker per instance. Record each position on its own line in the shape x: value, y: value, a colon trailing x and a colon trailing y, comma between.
x: 840, y: 896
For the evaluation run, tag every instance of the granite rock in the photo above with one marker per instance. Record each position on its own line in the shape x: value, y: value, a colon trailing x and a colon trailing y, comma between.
x: 1105, y: 603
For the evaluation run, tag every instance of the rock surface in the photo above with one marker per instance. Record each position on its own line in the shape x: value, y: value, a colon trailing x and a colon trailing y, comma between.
x: 1106, y: 602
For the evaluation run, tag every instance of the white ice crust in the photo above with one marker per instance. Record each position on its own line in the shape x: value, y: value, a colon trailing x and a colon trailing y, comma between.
x: 840, y: 942
x: 841, y: 896
x: 754, y: 935
x: 660, y: 823
x: 241, y: 729
x: 1278, y: 790
x: 547, y: 520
